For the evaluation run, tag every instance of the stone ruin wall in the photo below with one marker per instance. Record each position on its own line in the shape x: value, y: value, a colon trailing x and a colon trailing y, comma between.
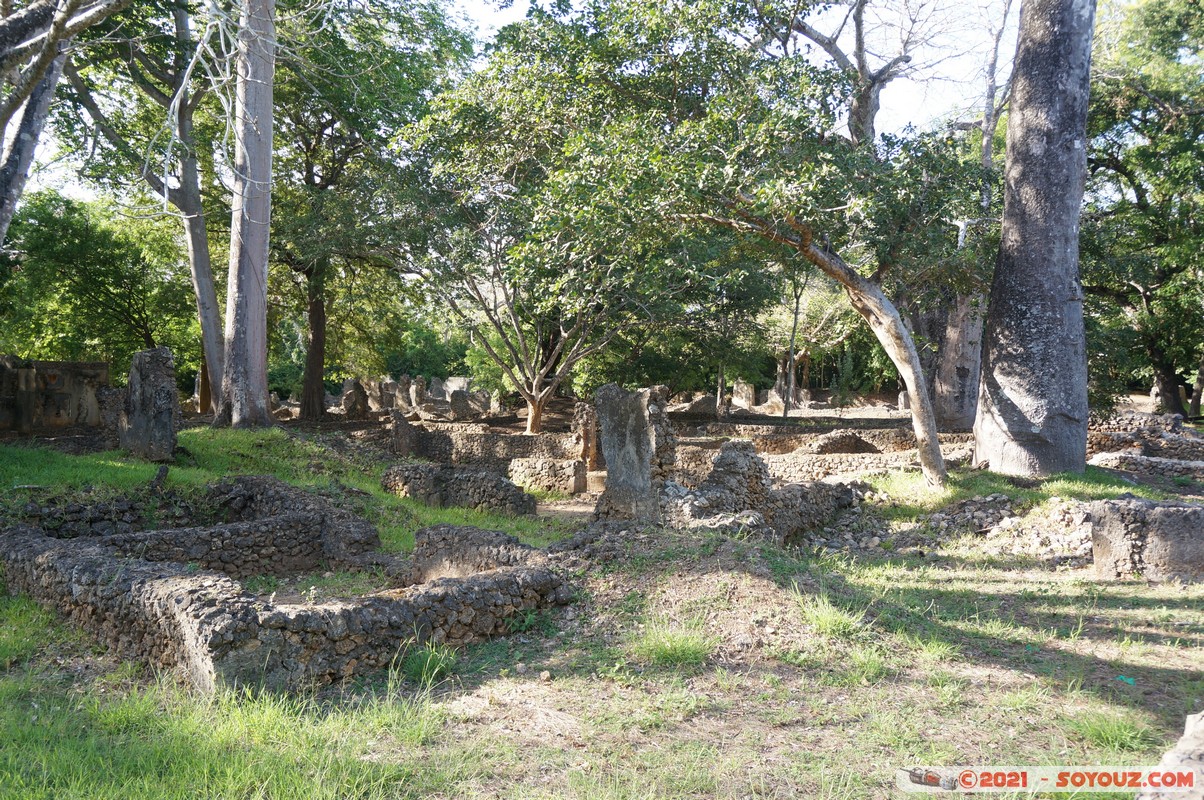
x: 55, y: 394
x: 1158, y: 541
x: 474, y: 444
x: 169, y: 614
x: 565, y: 476
x: 442, y: 485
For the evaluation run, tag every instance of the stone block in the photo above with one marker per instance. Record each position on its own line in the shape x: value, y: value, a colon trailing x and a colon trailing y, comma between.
x: 1158, y: 541
x: 151, y: 411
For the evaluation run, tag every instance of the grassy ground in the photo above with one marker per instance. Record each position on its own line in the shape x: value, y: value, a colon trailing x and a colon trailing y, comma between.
x: 689, y: 666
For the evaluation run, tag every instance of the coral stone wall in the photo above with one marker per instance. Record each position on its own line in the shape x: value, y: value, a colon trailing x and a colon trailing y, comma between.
x: 169, y: 615
x: 1149, y: 465
x: 477, y: 445
x: 440, y: 486
x: 549, y: 475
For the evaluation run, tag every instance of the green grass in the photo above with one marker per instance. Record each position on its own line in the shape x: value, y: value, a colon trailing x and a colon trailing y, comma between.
x: 213, y: 454
x: 160, y: 742
x: 663, y: 643
x: 1111, y: 731
x: 429, y: 664
x: 914, y: 497
x: 24, y: 629
x: 827, y: 618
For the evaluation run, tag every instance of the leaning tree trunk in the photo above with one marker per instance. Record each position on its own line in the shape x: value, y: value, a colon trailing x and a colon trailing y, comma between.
x: 868, y: 299
x: 313, y: 387
x: 244, y: 400
x: 19, y: 157
x: 1032, y: 415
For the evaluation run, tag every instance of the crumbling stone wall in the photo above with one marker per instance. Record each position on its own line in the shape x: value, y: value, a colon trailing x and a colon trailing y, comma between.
x: 738, y: 496
x: 457, y: 551
x: 1149, y: 443
x: 1134, y: 421
x: 549, y: 475
x: 694, y: 461
x: 1149, y: 465
x: 440, y: 485
x: 51, y: 394
x: 474, y: 444
x: 1155, y: 540
x: 169, y: 615
x: 803, y: 467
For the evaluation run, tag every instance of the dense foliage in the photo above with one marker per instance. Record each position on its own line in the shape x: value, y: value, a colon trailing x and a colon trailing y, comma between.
x: 615, y: 192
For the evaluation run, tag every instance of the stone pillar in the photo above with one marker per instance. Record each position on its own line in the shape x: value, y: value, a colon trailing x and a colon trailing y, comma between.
x: 744, y: 395
x: 629, y: 445
x: 28, y: 398
x: 585, y: 428
x: 355, y: 401
x: 401, y: 395
x: 151, y: 411
x: 418, y: 392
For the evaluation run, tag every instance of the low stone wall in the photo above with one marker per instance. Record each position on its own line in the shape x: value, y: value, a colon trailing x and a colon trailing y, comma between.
x: 282, y: 544
x: 1157, y: 541
x: 738, y: 496
x: 168, y: 615
x: 161, y: 614
x: 1149, y: 465
x: 477, y: 445
x: 549, y: 475
x: 1150, y: 443
x: 1137, y: 421
x: 440, y: 486
x: 456, y: 551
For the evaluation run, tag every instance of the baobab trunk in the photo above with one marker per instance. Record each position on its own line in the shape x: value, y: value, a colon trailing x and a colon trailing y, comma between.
x: 1032, y: 414
x: 244, y: 396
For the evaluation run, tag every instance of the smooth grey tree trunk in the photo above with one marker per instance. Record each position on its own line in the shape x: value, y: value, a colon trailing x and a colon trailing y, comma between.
x: 187, y: 198
x: 1197, y: 390
x: 1032, y: 414
x: 18, y: 156
x: 244, y: 399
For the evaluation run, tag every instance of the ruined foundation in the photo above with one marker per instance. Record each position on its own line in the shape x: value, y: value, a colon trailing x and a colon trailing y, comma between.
x: 170, y: 598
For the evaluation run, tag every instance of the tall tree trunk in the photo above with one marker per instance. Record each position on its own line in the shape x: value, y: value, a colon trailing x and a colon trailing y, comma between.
x: 313, y: 388
x: 720, y: 393
x: 19, y: 156
x: 1166, y: 378
x: 204, y: 389
x: 790, y: 359
x: 187, y: 198
x: 244, y: 396
x: 1032, y: 415
x: 1197, y: 389
x: 955, y: 388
